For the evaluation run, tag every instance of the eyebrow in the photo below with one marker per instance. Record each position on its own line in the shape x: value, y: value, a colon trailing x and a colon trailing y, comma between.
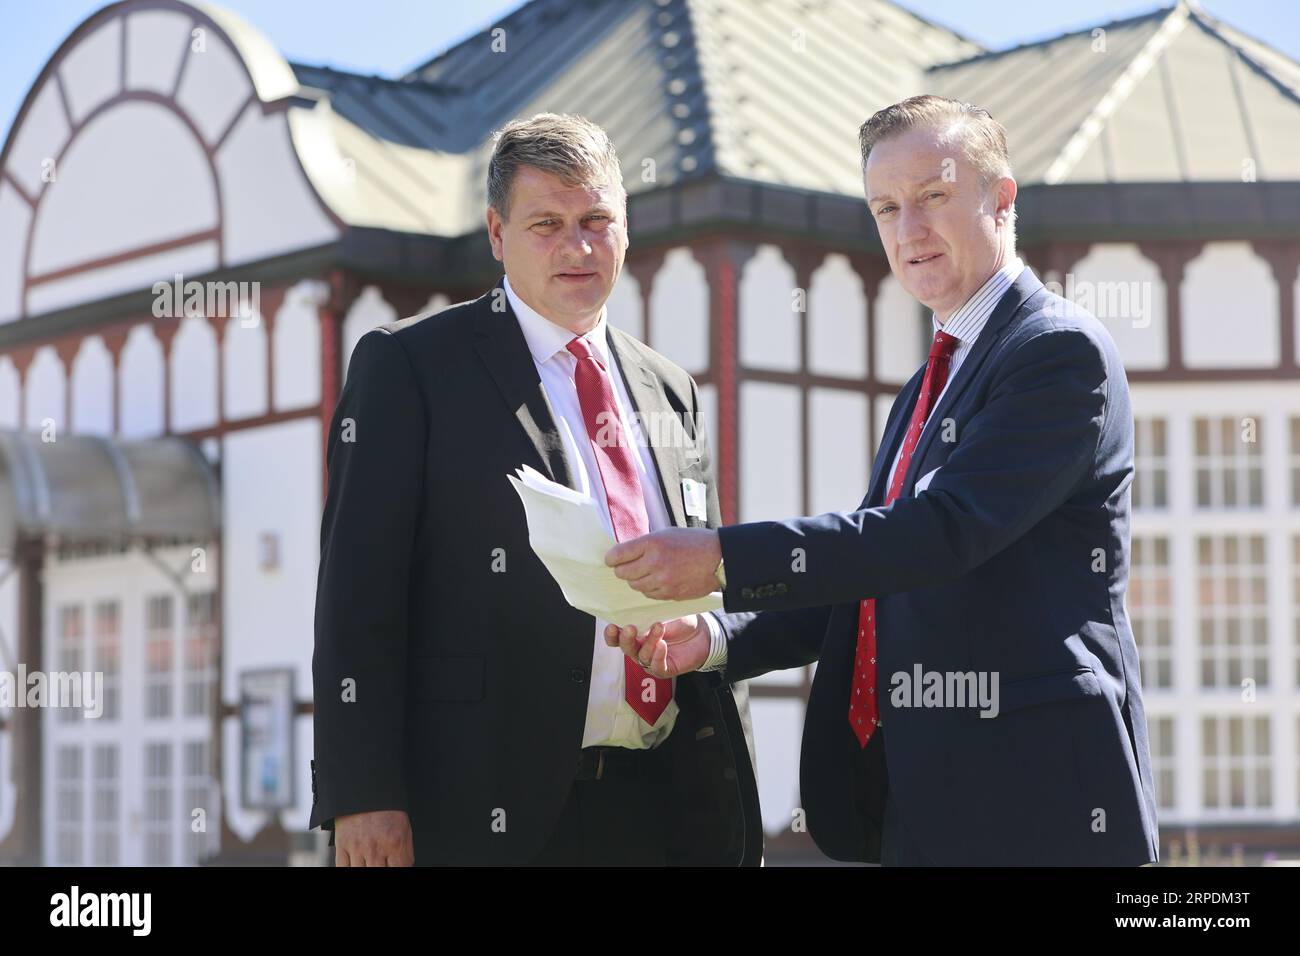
x: 551, y: 214
x: 883, y: 196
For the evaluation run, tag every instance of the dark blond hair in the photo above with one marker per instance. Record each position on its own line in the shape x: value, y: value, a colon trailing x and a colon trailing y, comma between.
x: 982, y: 138
x: 571, y: 147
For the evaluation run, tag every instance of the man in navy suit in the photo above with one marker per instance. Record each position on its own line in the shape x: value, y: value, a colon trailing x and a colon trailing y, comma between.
x: 977, y: 698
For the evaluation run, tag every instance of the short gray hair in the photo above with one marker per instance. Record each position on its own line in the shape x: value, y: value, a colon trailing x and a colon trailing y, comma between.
x: 571, y: 147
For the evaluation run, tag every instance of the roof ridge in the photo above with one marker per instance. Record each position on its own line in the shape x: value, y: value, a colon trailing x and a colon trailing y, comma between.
x: 415, y: 71
x: 1029, y: 44
x: 1212, y: 25
x: 1175, y: 20
x: 432, y: 86
x: 707, y: 145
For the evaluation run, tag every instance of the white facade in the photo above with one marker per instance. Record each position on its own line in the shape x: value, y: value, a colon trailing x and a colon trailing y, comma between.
x: 135, y: 785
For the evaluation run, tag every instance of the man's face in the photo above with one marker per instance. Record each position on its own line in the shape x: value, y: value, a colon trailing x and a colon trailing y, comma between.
x: 938, y: 223
x: 563, y: 246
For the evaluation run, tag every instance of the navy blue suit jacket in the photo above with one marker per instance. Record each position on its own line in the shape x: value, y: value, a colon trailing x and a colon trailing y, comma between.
x: 1012, y: 561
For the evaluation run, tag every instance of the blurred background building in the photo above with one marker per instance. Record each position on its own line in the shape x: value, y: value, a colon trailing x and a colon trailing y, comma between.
x: 161, y: 468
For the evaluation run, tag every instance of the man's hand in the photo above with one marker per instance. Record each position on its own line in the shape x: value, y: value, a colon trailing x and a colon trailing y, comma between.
x: 666, y: 650
x: 676, y: 564
x: 376, y: 838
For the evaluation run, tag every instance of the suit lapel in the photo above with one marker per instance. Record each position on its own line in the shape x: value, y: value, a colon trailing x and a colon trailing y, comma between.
x: 1025, y: 286
x: 500, y: 343
x: 889, y: 445
x: 650, y: 401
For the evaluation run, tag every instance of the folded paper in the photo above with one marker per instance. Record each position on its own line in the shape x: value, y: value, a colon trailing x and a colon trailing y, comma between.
x: 568, y: 534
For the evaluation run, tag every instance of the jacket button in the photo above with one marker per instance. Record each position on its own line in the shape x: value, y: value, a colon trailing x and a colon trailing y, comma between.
x: 747, y: 594
x: 782, y: 588
x: 578, y: 675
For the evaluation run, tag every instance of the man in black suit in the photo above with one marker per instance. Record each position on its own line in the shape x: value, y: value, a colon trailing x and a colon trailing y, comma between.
x: 442, y: 734
x: 977, y: 698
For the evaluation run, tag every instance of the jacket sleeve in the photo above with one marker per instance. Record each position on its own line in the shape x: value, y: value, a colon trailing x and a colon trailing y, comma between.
x: 376, y: 453
x: 771, y: 641
x: 1020, y: 457
x: 758, y: 643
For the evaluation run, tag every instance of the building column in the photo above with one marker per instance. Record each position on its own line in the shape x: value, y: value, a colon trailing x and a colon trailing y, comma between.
x: 804, y: 262
x: 269, y: 302
x: 24, y: 846
x: 66, y: 350
x: 644, y: 268
x: 1284, y: 258
x: 723, y: 259
x: 115, y: 341
x: 1172, y: 259
x: 872, y: 271
x: 164, y: 330
x: 22, y: 359
x: 331, y: 310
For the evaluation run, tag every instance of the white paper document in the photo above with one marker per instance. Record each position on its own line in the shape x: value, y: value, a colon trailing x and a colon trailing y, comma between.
x: 567, y: 533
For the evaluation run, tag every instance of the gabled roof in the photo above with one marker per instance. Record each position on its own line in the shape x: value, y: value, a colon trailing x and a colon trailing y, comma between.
x: 1170, y: 96
x: 773, y: 91
x: 701, y: 86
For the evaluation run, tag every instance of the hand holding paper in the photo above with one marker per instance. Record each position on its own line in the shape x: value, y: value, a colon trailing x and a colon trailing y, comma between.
x: 566, y: 532
x: 676, y: 564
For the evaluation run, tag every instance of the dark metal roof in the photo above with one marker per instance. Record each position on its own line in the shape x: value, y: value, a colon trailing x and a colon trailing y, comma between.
x: 685, y: 88
x: 773, y: 92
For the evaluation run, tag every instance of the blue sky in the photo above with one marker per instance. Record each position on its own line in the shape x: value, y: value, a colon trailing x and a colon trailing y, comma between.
x: 390, y: 36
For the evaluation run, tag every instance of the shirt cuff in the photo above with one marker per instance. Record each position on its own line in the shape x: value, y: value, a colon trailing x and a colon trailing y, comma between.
x: 717, y: 658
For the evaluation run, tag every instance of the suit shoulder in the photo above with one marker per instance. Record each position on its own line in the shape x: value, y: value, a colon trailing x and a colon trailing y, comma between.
x: 425, y: 328
x: 1055, y: 313
x: 1068, y: 326
x: 668, y: 370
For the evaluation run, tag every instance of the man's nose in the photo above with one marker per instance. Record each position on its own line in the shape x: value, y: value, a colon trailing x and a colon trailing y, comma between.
x: 912, y: 226
x: 575, y: 242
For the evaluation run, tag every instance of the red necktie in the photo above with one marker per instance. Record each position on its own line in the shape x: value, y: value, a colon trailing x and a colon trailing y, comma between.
x: 864, y: 713
x: 645, y: 694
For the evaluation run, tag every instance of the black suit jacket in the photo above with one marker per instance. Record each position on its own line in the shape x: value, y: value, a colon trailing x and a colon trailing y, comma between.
x: 1012, y: 561
x: 451, y: 676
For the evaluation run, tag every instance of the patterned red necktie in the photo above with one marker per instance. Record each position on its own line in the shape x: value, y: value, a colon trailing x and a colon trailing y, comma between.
x: 645, y: 693
x: 864, y: 712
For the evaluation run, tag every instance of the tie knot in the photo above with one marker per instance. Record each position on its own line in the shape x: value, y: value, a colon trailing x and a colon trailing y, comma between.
x: 580, y: 349
x: 944, y: 345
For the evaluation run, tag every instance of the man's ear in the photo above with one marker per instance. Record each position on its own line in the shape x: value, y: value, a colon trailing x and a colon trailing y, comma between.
x: 1004, y: 197
x: 494, y: 224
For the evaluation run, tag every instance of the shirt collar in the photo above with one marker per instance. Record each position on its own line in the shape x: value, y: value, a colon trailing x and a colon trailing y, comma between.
x: 545, y: 338
x: 968, y: 321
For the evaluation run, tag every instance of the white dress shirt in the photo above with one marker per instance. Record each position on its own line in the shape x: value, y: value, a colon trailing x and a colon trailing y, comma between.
x: 610, y: 721
x: 966, y: 324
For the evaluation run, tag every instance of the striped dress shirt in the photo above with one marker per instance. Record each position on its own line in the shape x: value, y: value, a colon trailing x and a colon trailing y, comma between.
x: 966, y: 324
